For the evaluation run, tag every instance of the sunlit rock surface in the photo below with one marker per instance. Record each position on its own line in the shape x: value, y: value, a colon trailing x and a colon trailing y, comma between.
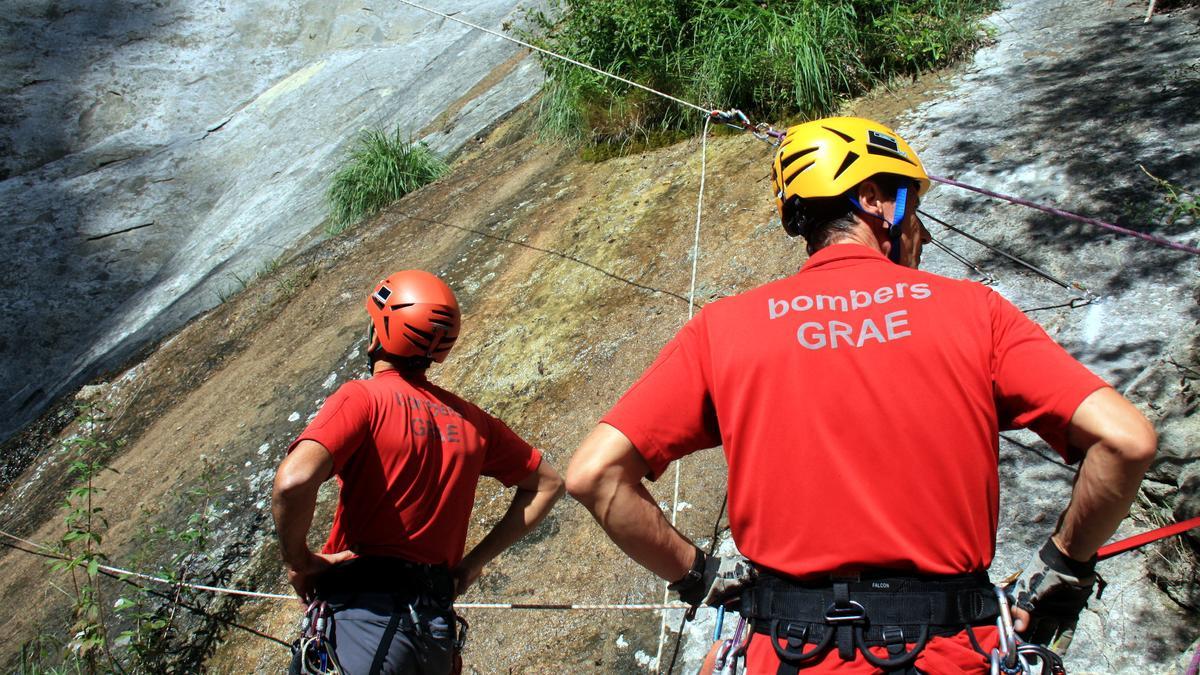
x: 155, y: 156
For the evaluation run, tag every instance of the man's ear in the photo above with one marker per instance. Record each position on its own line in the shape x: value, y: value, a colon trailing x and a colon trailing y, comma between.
x: 871, y: 198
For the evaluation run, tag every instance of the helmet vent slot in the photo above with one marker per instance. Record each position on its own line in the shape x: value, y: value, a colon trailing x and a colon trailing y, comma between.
x: 844, y: 137
x: 851, y: 157
x: 785, y: 162
x: 418, y: 331
x: 788, y: 180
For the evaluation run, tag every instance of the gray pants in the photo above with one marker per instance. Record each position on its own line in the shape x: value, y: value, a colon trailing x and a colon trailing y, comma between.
x: 382, y: 633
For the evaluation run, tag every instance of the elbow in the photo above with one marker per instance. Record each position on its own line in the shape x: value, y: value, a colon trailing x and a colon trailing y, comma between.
x: 1135, y: 446
x: 291, y: 485
x: 583, y: 481
x: 1140, y: 447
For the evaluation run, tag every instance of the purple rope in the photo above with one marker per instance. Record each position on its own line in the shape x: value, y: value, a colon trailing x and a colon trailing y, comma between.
x: 1195, y: 665
x: 1072, y: 216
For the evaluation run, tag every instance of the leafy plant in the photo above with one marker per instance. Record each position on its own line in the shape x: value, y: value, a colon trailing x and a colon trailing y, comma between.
x: 1179, y: 201
x: 79, y: 544
x: 770, y: 59
x: 149, y: 642
x: 382, y: 168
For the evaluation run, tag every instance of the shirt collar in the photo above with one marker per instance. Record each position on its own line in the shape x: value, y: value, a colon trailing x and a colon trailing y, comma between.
x: 840, y: 252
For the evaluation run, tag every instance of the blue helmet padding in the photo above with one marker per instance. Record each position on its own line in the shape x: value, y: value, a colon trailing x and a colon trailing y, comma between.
x: 898, y: 217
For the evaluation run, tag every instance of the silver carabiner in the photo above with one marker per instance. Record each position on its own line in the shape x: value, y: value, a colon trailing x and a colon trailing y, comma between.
x: 1008, y: 636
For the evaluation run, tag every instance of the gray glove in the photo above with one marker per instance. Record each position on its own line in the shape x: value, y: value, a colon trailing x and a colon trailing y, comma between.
x: 714, y: 580
x: 1054, y: 589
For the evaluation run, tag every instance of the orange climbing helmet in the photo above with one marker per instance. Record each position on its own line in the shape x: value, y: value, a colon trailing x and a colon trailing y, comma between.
x: 413, y: 313
x: 828, y: 157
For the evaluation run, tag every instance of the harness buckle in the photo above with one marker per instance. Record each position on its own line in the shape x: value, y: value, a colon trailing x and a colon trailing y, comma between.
x: 853, y: 613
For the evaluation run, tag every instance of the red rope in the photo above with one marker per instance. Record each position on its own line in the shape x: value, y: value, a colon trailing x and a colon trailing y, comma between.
x: 1139, y: 540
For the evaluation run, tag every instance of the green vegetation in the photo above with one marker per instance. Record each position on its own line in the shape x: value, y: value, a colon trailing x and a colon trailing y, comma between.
x: 146, y: 622
x: 1179, y: 202
x: 381, y: 169
x: 772, y: 60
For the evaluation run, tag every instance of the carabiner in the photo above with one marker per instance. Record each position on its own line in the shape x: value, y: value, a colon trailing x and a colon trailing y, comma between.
x: 1008, y: 636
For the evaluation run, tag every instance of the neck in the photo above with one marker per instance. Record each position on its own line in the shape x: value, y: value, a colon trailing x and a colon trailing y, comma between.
x: 865, y: 235
x: 383, y: 365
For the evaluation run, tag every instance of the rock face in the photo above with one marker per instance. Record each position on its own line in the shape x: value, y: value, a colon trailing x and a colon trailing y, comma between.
x: 154, y: 156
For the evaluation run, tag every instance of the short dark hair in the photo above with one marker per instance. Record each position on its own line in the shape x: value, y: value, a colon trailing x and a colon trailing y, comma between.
x: 821, y: 221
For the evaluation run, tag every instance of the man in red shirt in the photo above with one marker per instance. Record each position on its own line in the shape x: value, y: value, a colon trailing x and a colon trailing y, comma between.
x: 858, y: 403
x: 407, y: 455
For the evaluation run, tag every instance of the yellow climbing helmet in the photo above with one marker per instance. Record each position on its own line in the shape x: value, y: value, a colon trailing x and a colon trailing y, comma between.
x: 828, y: 157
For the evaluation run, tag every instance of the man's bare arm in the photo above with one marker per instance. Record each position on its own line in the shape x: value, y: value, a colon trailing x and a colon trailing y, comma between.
x: 536, y: 495
x: 293, y: 500
x: 605, y: 475
x: 1120, y: 444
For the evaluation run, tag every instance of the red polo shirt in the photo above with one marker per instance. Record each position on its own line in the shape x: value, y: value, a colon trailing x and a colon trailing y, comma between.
x: 407, y: 455
x: 858, y: 404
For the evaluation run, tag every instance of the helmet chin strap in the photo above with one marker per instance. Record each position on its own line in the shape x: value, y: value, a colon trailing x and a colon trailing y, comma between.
x: 893, y: 225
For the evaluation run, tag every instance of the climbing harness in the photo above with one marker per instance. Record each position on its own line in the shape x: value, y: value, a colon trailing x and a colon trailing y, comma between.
x: 872, y: 610
x: 312, y: 652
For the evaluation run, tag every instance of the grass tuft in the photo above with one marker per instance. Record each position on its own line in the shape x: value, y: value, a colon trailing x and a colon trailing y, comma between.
x: 382, y: 168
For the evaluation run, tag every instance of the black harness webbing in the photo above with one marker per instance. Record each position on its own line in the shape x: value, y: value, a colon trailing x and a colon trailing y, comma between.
x: 385, y: 642
x: 408, y: 583
x: 882, y: 611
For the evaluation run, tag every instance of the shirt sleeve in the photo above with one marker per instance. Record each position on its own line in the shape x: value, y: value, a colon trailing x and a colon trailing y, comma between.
x: 1037, y: 384
x: 508, y: 459
x: 342, y: 424
x: 668, y: 413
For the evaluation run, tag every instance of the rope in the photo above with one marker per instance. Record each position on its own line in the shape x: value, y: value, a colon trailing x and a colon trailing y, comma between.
x: 987, y: 278
x: 995, y: 249
x: 547, y: 251
x: 118, y: 573
x: 1139, y: 540
x: 712, y: 548
x: 1154, y: 239
x: 192, y: 608
x: 557, y: 56
x: 571, y: 607
x: 662, y: 628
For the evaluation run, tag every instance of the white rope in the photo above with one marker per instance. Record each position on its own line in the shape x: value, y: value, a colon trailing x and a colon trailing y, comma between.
x: 279, y: 596
x: 557, y: 56
x: 662, y: 629
x: 129, y: 573
x: 573, y: 606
